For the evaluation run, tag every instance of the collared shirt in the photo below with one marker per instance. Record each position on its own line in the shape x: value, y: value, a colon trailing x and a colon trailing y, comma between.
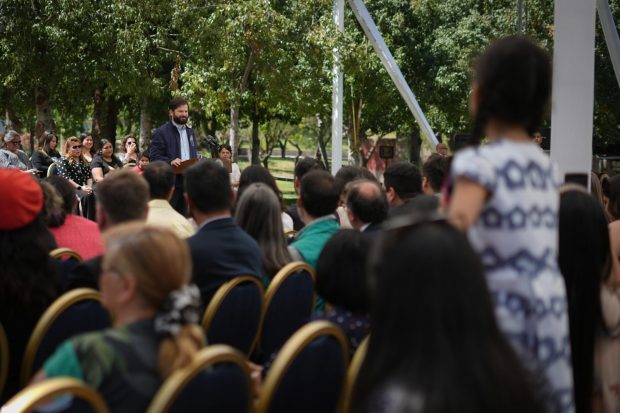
x: 162, y: 214
x: 184, y: 142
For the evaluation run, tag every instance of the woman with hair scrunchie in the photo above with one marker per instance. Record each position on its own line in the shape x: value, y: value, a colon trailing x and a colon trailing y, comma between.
x: 144, y: 286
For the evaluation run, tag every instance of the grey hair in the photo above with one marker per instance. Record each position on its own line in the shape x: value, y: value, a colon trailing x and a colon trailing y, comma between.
x: 8, y: 136
x: 259, y: 213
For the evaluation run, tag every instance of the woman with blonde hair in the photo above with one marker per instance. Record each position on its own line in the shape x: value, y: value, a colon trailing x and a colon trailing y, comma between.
x: 74, y: 167
x: 144, y: 286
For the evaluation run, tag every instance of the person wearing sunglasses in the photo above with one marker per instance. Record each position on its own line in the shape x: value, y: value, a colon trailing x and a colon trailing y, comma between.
x: 11, y: 155
x: 76, y: 170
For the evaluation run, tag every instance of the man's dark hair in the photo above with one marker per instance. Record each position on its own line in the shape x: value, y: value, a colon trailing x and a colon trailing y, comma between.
x: 350, y: 173
x: 124, y: 196
x: 176, y: 102
x: 306, y: 165
x: 318, y: 193
x: 207, y: 184
x: 370, y: 204
x: 405, y: 178
x: 160, y: 177
x: 435, y: 170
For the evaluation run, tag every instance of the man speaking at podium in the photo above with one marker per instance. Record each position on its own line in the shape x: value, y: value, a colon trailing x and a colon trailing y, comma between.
x: 175, y: 143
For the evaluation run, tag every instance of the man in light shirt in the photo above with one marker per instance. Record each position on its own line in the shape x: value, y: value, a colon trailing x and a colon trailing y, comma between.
x: 160, y: 178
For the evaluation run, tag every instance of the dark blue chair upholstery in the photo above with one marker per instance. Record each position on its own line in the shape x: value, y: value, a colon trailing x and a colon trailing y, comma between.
x: 78, y: 311
x: 308, y: 374
x: 233, y: 316
x: 289, y: 302
x: 217, y: 381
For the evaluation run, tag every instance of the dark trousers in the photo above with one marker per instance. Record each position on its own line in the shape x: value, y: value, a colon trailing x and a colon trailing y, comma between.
x: 178, y: 200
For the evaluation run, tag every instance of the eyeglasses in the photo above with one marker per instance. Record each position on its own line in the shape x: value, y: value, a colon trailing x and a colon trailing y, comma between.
x: 16, y: 142
x: 76, y: 147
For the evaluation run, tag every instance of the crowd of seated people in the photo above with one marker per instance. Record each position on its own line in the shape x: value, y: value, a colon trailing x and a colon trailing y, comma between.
x: 481, y: 285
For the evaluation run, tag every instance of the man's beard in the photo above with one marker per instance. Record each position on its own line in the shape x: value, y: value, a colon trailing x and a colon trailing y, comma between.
x: 180, y: 121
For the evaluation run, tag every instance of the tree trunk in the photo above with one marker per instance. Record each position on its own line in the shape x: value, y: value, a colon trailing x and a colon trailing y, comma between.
x: 322, y: 142
x: 282, y: 145
x: 108, y: 129
x: 233, y: 139
x: 45, y: 119
x: 146, y: 125
x: 415, y: 144
x: 355, y: 147
x: 255, y: 140
x: 98, y: 100
x: 12, y: 121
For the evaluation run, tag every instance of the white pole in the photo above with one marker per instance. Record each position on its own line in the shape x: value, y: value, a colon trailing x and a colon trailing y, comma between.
x: 337, y: 94
x: 611, y: 35
x: 373, y: 34
x: 573, y: 86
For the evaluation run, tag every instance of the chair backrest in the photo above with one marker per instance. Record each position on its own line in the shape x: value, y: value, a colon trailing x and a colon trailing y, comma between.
x: 77, y: 311
x: 289, y: 302
x: 308, y: 375
x: 4, y: 359
x: 65, y: 253
x: 47, y: 391
x: 353, y: 372
x: 218, y: 380
x: 52, y: 170
x: 234, y: 314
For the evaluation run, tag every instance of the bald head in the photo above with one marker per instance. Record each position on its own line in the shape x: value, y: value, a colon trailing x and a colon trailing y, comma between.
x: 366, y: 203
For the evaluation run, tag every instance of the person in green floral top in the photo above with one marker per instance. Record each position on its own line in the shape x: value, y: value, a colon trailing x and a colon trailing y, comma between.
x: 144, y: 286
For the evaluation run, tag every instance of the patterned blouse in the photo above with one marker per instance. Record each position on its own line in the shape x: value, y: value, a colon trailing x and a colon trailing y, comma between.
x: 78, y: 172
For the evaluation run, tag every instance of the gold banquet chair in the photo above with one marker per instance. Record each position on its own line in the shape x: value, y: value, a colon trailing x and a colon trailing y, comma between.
x: 29, y: 399
x: 308, y: 374
x: 75, y: 312
x: 217, y: 380
x: 353, y: 373
x: 234, y: 314
x: 4, y: 359
x: 68, y: 253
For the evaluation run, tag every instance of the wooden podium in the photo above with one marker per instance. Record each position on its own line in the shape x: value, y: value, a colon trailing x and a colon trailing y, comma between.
x: 184, y: 165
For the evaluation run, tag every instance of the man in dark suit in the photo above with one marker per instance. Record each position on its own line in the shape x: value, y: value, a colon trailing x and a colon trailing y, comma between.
x: 220, y: 249
x: 173, y: 143
x: 367, y: 205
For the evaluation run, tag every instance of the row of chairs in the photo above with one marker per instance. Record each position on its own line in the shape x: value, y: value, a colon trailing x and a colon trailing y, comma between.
x: 310, y: 374
x: 240, y: 316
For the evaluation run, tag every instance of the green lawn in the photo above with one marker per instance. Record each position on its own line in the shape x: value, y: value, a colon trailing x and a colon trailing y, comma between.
x: 280, y: 168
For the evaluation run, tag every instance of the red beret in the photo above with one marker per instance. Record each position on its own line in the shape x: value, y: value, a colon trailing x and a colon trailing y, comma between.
x: 21, y: 199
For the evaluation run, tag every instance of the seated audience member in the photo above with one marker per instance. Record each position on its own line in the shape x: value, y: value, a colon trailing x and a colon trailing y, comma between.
x: 441, y: 149
x: 403, y: 182
x: 611, y: 190
x: 105, y: 161
x: 160, y: 177
x: 302, y: 167
x: 434, y: 172
x: 341, y: 281
x: 367, y: 205
x: 46, y: 154
x: 220, y: 250
x: 121, y: 197
x: 318, y: 199
x: 345, y: 175
x: 129, y: 151
x: 11, y: 156
x: 257, y: 173
x: 28, y: 278
x: 73, y: 231
x: 435, y: 345
x: 144, y: 286
x: 224, y: 154
x: 258, y: 213
x: 74, y: 167
x: 586, y: 264
x: 88, y: 146
x: 143, y: 161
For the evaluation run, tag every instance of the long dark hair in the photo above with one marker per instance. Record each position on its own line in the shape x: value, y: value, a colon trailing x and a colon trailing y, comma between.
x: 256, y: 173
x: 585, y: 262
x: 434, y: 335
x: 28, y: 279
x: 513, y: 76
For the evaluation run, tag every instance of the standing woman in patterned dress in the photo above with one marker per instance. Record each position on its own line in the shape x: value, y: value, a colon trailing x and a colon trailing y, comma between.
x: 74, y: 167
x: 505, y: 195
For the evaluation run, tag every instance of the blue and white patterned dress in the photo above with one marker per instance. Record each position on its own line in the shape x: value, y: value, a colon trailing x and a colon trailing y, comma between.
x: 516, y: 236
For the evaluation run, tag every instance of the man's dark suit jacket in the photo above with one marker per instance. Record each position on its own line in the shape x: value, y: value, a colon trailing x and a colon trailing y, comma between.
x: 165, y: 145
x: 220, y: 251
